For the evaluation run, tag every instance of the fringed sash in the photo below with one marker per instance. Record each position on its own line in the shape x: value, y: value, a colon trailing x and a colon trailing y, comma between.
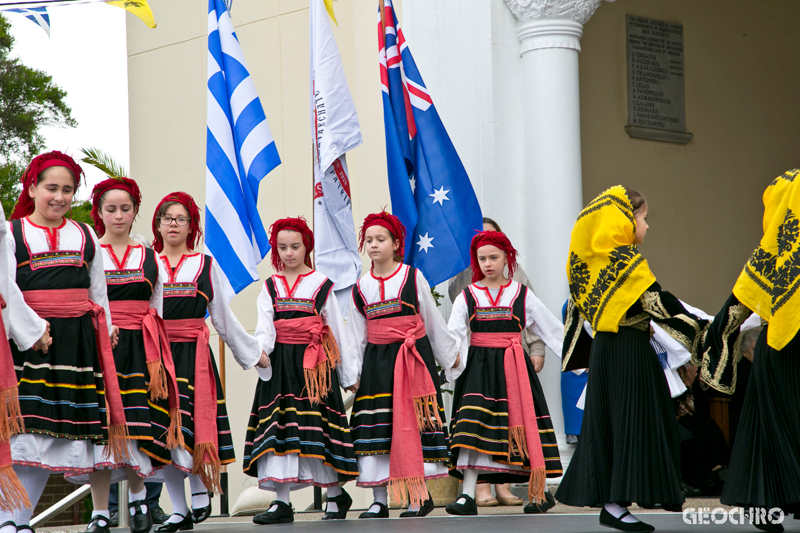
x: 414, y: 406
x: 137, y: 315
x: 207, y: 464
x: 12, y: 493
x: 523, y: 430
x: 75, y: 303
x: 321, y: 354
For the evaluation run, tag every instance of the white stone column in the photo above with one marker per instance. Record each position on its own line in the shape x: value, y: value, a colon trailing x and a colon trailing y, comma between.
x: 549, y: 33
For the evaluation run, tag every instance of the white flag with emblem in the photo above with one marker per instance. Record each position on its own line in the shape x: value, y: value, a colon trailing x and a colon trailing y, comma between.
x: 335, y: 131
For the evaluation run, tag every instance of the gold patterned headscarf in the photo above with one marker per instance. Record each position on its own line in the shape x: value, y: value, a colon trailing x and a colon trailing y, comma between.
x: 769, y: 282
x: 606, y: 272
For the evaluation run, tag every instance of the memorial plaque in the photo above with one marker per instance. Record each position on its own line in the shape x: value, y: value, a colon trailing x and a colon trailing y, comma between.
x: 655, y: 80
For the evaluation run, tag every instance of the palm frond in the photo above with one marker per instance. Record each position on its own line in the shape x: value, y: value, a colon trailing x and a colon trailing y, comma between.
x: 101, y: 160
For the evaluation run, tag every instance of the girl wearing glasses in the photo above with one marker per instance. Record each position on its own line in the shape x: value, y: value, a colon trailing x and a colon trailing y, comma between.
x: 190, y: 290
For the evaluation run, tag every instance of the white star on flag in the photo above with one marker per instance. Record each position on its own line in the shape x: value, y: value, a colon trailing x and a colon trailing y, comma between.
x: 440, y: 195
x: 425, y: 242
x: 413, y: 182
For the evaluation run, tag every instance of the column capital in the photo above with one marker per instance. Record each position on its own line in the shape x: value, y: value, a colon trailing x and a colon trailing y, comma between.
x: 552, y: 23
x: 579, y: 11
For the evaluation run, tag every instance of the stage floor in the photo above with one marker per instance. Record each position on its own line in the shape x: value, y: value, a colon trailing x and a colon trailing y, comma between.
x: 562, y: 523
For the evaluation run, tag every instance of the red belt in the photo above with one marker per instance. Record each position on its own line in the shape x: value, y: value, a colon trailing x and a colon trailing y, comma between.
x: 320, y: 356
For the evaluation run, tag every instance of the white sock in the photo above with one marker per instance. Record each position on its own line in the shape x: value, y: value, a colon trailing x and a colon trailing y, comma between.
x: 333, y: 492
x: 199, y: 492
x: 34, y: 480
x: 282, y: 492
x: 469, y: 483
x: 617, y: 510
x: 103, y: 514
x: 174, y: 480
x: 7, y: 516
x: 380, y: 494
x: 138, y: 496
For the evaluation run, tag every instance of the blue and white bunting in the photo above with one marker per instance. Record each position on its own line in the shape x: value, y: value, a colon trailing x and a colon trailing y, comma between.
x: 37, y: 15
x: 240, y: 152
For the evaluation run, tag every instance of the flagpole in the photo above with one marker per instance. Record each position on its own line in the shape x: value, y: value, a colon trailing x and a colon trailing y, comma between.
x: 223, y: 499
x: 382, y: 4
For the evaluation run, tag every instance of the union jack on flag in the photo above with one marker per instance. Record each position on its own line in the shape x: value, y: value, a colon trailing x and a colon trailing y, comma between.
x: 430, y: 189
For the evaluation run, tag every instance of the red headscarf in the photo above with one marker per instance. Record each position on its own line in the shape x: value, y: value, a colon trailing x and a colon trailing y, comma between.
x: 195, y: 232
x: 392, y: 224
x: 493, y: 238
x: 123, y: 184
x: 294, y: 224
x: 25, y: 205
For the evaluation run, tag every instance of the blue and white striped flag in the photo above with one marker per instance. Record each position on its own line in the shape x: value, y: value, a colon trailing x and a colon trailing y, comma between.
x: 37, y: 15
x: 240, y: 151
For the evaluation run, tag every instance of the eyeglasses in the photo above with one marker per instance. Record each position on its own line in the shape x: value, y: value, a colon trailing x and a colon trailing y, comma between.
x: 181, y: 221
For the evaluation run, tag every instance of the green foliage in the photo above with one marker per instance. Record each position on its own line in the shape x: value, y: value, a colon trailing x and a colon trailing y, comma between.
x: 81, y: 212
x: 29, y: 101
x: 101, y: 160
x: 436, y: 296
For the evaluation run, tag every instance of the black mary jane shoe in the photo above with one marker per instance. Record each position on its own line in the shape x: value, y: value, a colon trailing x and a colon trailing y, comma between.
x: 201, y: 514
x: 284, y: 514
x: 9, y: 523
x: 609, y: 520
x: 468, y: 508
x: 768, y: 526
x: 140, y: 522
x: 383, y: 512
x: 424, y: 509
x: 171, y: 527
x: 98, y: 524
x: 540, y: 508
x: 26, y: 527
x: 343, y: 501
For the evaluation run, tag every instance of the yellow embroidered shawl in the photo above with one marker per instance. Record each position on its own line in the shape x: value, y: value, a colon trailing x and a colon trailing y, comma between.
x: 606, y: 272
x: 769, y: 282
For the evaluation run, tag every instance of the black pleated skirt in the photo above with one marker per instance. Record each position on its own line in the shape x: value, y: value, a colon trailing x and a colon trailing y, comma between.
x: 629, y: 450
x: 765, y: 461
x: 284, y: 421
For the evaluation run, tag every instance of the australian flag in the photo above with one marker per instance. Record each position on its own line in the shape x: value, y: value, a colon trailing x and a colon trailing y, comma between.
x: 431, y: 192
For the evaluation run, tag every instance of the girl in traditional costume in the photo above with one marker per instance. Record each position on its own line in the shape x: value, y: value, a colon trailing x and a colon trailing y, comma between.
x: 69, y: 396
x: 27, y: 330
x: 501, y: 428
x: 193, y: 286
x: 399, y: 338
x: 298, y: 432
x: 629, y: 450
x: 142, y: 354
x: 764, y: 475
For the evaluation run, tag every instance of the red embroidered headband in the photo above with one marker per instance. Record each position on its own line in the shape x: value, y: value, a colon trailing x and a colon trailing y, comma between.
x: 186, y: 201
x: 391, y: 223
x: 294, y: 224
x: 25, y: 205
x: 493, y: 238
x: 123, y: 184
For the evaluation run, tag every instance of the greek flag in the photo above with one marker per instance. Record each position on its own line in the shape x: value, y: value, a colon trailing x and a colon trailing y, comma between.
x: 240, y: 151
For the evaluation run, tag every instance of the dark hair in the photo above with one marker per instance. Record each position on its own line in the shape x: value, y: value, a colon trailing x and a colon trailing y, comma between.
x: 638, y: 201
x: 487, y: 220
x: 166, y: 205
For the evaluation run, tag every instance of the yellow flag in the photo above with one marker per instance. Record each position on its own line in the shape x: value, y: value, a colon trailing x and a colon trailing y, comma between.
x: 138, y: 8
x: 329, y: 8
